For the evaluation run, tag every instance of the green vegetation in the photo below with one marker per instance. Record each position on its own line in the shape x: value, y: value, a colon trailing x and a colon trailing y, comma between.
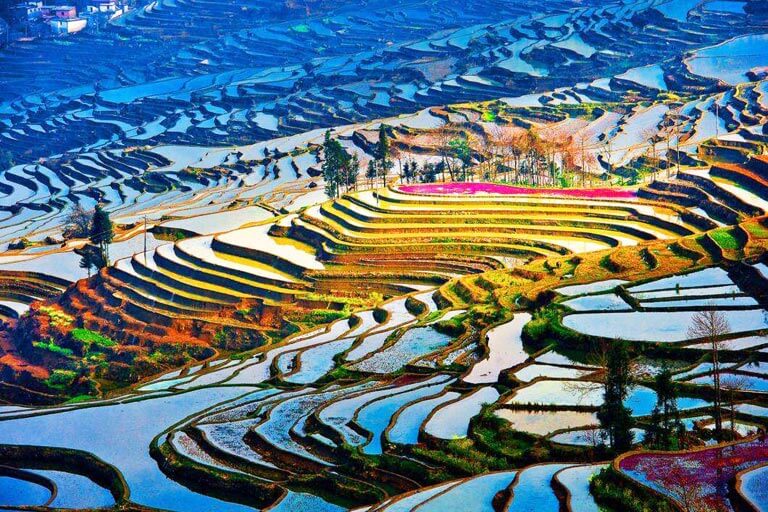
x: 61, y: 379
x: 665, y: 427
x: 756, y: 229
x: 725, y: 239
x: 322, y: 316
x: 340, y: 169
x: 615, y: 418
x: 612, y: 492
x: 88, y: 338
x: 489, y: 116
x: 57, y: 317
x: 52, y: 347
x: 102, y: 233
x: 78, y: 399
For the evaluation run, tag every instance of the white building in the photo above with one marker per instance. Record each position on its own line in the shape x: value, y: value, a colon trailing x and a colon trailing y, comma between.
x: 105, y: 6
x: 67, y: 25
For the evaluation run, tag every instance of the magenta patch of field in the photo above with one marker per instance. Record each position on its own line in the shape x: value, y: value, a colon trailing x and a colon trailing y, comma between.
x: 509, y: 190
x: 709, y: 470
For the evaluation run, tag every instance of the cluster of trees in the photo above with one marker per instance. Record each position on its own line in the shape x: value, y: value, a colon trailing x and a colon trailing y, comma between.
x: 665, y: 430
x: 340, y: 169
x: 534, y: 156
x: 98, y: 228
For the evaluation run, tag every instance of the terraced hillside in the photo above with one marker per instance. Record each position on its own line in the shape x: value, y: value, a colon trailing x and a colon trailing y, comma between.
x: 538, y: 195
x: 392, y: 399
x: 231, y: 87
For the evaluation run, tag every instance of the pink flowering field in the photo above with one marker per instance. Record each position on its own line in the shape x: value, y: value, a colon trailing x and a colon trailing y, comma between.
x: 509, y: 190
x: 704, y: 472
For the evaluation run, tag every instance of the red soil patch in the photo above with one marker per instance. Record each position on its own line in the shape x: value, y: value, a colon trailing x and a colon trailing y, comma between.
x: 707, y: 471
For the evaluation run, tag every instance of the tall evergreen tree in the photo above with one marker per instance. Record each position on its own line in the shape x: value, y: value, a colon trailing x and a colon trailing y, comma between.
x: 460, y: 150
x: 353, y: 171
x: 331, y: 165
x: 615, y: 418
x: 383, y: 161
x: 370, y: 172
x: 665, y: 425
x: 102, y: 233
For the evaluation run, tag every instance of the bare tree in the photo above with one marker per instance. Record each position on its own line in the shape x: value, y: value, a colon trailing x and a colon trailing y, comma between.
x: 712, y: 325
x: 682, y: 485
x: 442, y: 139
x: 733, y: 385
x: 78, y: 222
x: 650, y: 135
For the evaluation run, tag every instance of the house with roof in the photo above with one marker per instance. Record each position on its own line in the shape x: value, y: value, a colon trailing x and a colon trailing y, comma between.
x: 61, y: 26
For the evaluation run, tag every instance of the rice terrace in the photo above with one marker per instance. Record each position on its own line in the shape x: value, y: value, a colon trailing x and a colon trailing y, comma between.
x: 384, y: 256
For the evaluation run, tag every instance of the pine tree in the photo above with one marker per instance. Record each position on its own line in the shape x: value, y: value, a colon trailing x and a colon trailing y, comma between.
x: 91, y: 258
x: 615, y: 418
x: 370, y: 172
x: 102, y: 233
x: 429, y: 173
x: 330, y: 166
x: 383, y: 162
x: 406, y: 172
x: 353, y: 171
x: 665, y: 420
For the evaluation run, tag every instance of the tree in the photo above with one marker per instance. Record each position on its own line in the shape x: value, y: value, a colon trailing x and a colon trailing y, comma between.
x: 615, y: 418
x: 665, y: 428
x: 383, y: 162
x: 331, y: 165
x: 443, y: 137
x: 370, y: 172
x: 651, y: 136
x: 78, y: 222
x: 682, y: 485
x: 461, y: 151
x: 91, y: 258
x: 351, y: 170
x: 711, y: 325
x: 102, y: 233
x: 733, y: 385
x: 440, y: 169
x: 429, y: 173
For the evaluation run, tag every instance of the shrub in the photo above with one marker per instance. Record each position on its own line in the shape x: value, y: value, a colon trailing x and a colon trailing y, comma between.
x: 52, y: 347
x: 323, y: 316
x: 608, y: 264
x: 58, y: 317
x: 610, y: 490
x: 415, y: 307
x: 453, y: 327
x: 88, y: 338
x: 61, y: 379
x: 380, y: 315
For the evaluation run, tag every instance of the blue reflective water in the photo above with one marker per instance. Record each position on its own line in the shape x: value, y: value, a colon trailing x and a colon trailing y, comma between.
x: 409, y: 421
x: 475, y: 494
x: 17, y: 492
x: 120, y: 434
x: 375, y: 417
